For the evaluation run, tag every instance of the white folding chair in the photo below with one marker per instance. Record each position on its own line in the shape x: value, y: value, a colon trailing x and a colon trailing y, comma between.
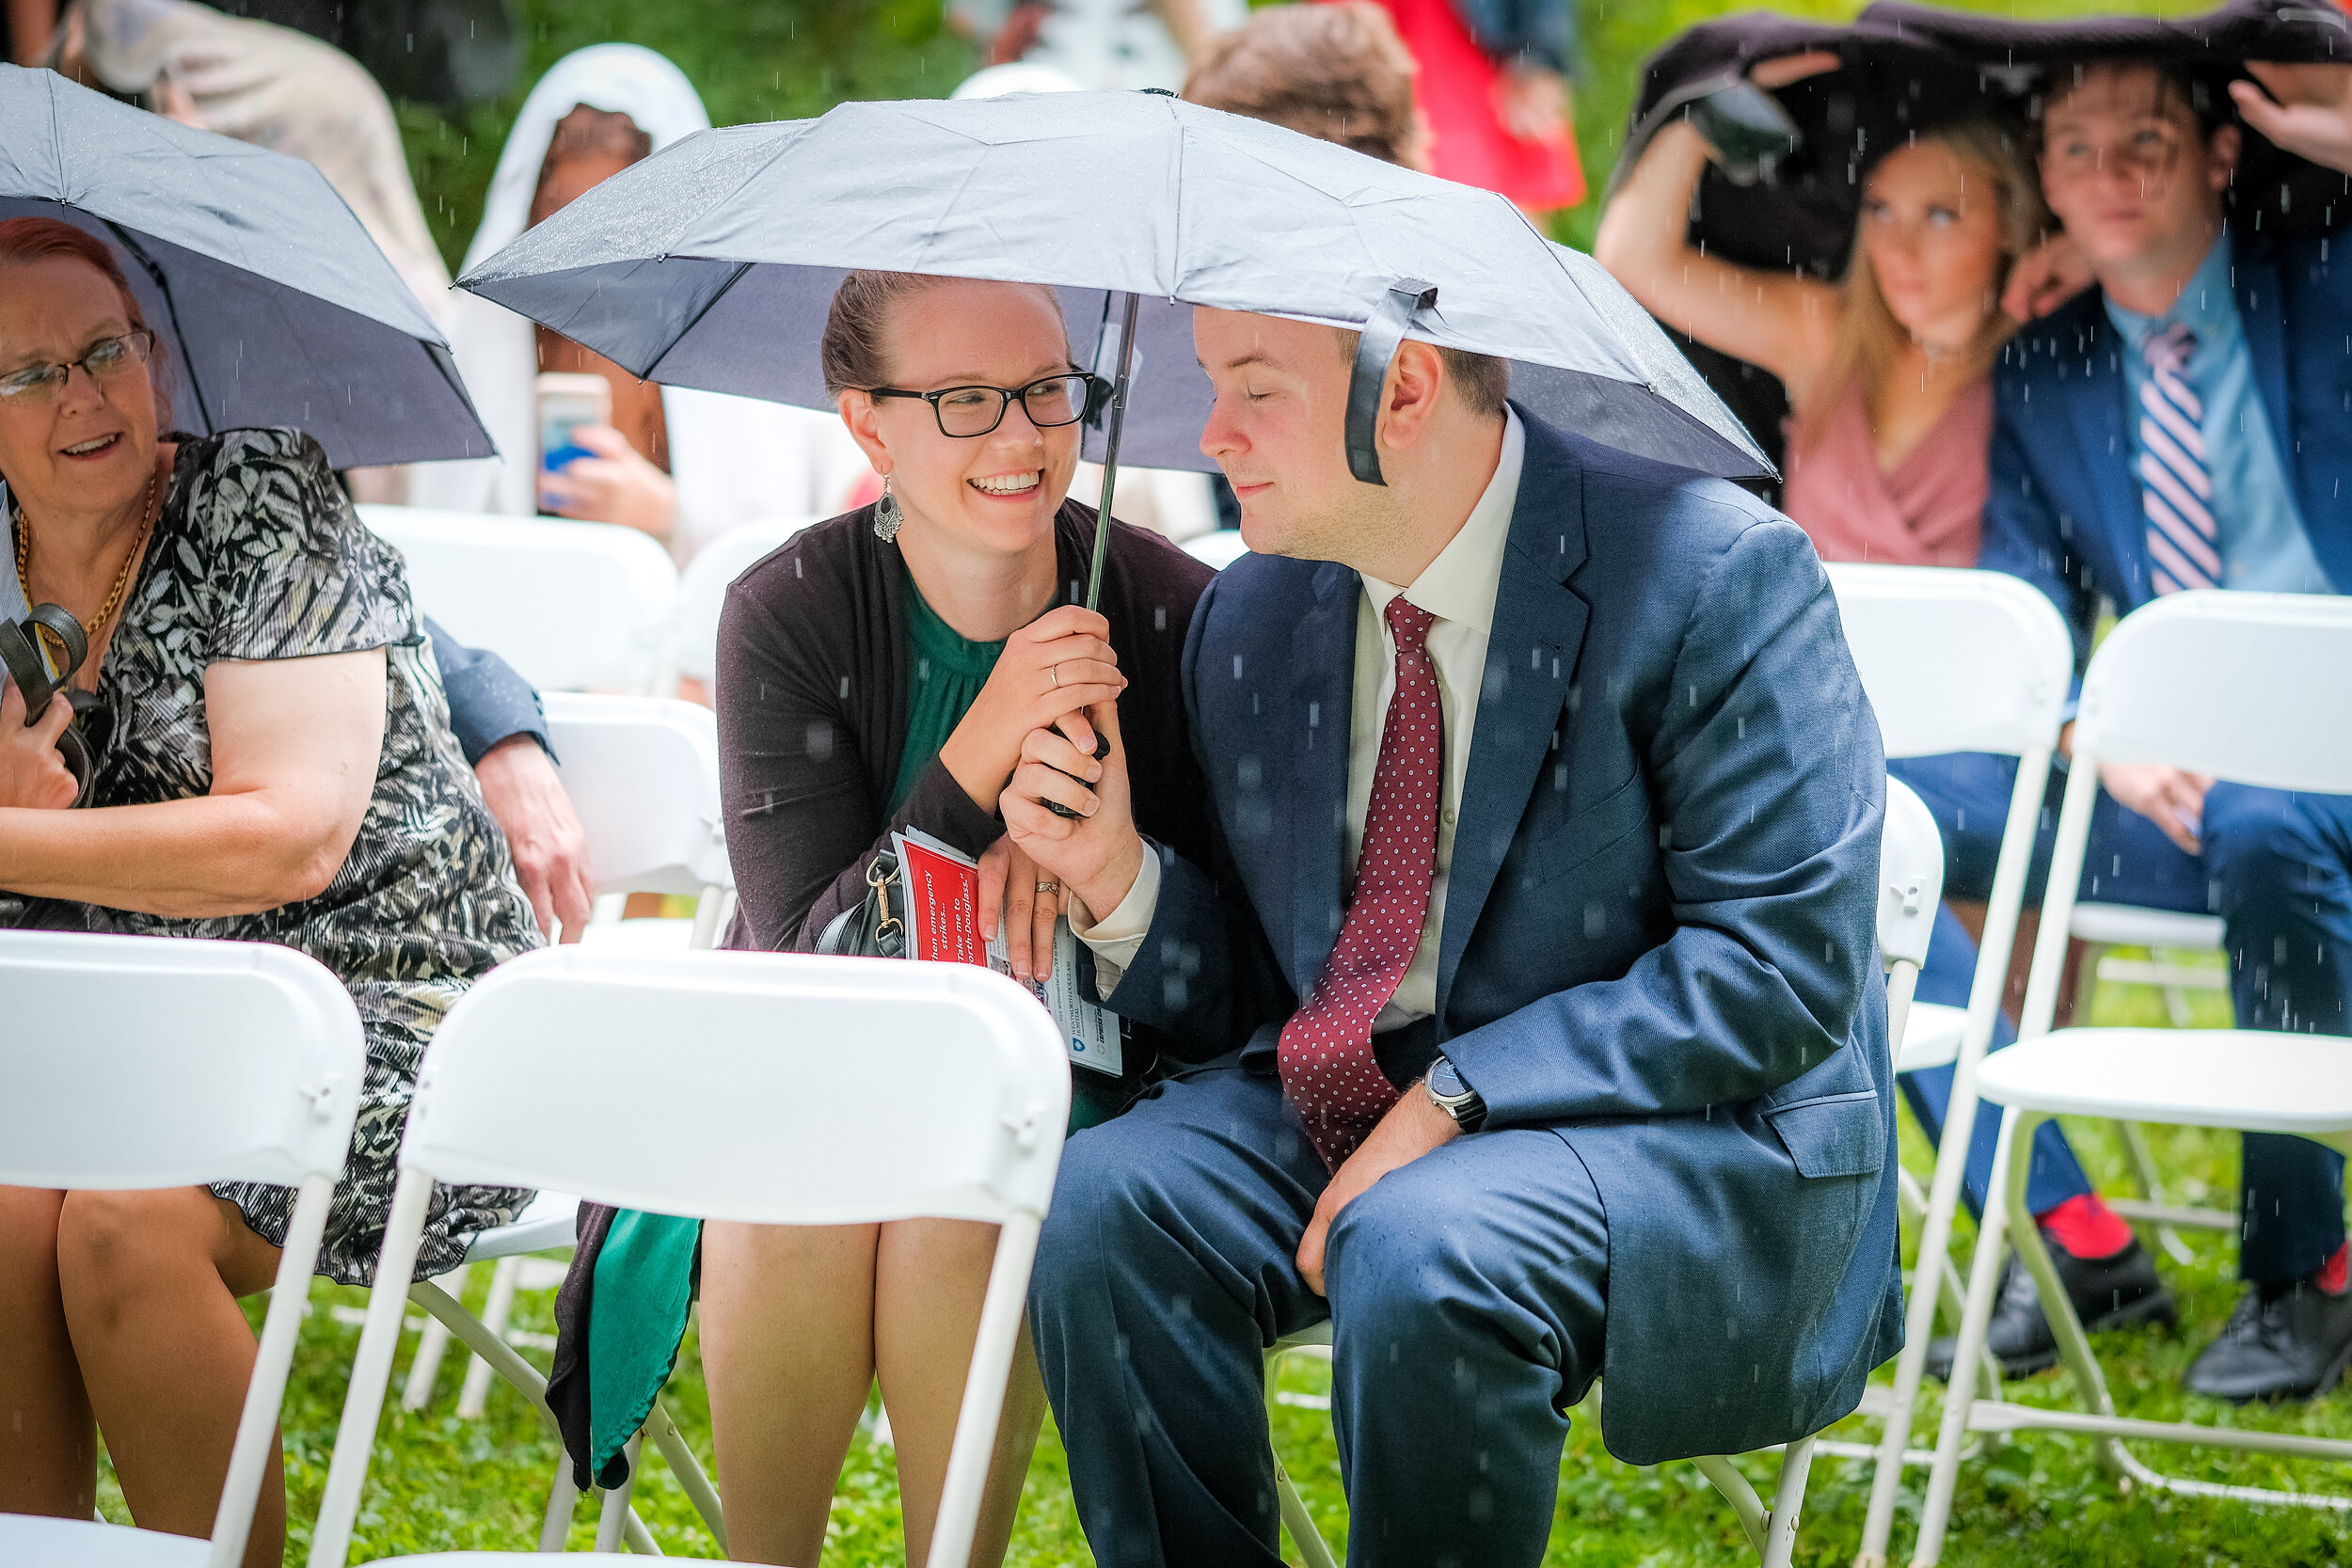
x: 970, y: 1070
x: 1952, y: 661
x: 1910, y: 884
x: 571, y: 605
x: 138, y: 1063
x: 642, y: 773
x: 702, y: 590
x: 2282, y: 659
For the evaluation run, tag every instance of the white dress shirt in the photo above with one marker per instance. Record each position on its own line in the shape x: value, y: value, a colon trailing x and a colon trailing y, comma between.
x: 1458, y: 588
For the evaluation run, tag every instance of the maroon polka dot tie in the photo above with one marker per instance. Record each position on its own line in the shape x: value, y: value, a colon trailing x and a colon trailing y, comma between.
x: 1325, y: 1054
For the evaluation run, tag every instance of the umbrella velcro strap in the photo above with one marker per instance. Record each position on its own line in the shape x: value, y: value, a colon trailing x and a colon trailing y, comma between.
x: 1390, y: 315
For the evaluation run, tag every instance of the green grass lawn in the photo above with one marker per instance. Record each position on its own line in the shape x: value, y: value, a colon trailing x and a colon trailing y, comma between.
x: 439, y: 1483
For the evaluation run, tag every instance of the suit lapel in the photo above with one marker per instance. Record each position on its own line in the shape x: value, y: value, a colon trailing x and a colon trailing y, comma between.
x: 1531, y: 659
x: 2103, y: 440
x: 2261, y: 316
x: 1319, y: 714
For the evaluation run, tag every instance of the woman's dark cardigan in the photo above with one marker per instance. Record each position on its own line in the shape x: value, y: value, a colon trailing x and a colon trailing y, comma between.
x: 812, y: 698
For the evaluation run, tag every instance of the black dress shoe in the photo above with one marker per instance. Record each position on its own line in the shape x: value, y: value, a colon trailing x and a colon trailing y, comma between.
x: 2293, y: 1344
x: 2114, y: 1291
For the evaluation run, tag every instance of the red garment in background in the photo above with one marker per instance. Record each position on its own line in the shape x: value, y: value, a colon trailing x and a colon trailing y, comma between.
x: 1456, y: 89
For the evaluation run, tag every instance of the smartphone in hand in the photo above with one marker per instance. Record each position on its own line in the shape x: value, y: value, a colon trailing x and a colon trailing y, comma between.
x: 565, y: 403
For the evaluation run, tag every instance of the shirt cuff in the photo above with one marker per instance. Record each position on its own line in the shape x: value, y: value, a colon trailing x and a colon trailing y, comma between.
x: 1116, y: 939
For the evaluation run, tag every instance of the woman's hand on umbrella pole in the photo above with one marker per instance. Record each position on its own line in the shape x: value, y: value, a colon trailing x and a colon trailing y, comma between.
x: 2308, y: 112
x: 1052, y: 672
x: 33, y: 772
x: 1777, y: 73
x: 617, y: 485
x: 2045, y: 278
x: 1095, y: 855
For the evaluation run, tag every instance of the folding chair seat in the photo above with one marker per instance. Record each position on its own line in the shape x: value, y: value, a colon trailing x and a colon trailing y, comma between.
x: 2253, y: 1081
x: 138, y: 1063
x: 573, y: 606
x: 1910, y: 884
x: 971, y: 1067
x: 642, y: 773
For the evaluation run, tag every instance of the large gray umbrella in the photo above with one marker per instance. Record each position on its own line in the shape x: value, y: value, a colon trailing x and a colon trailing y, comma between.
x: 710, y: 264
x: 274, y: 306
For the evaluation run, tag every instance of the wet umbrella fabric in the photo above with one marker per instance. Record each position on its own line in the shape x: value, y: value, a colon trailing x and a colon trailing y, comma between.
x: 273, y: 305
x: 1906, y: 68
x: 711, y: 264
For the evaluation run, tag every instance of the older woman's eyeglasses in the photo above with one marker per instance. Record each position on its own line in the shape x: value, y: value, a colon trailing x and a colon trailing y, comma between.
x: 965, y: 412
x: 105, y: 360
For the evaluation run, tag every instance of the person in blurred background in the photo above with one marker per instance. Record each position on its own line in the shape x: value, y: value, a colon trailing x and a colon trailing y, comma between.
x: 1494, y: 82
x: 1889, y: 380
x: 2180, y: 426
x: 1335, y: 72
x: 683, y: 466
x: 272, y: 762
x: 275, y: 87
x: 1101, y: 45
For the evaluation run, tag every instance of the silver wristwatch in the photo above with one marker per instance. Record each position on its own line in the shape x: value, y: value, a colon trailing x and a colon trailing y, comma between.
x: 1454, y: 1096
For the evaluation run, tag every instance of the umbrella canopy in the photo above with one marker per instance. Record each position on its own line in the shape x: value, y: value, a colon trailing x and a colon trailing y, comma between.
x: 274, y: 306
x: 1905, y: 68
x: 711, y: 264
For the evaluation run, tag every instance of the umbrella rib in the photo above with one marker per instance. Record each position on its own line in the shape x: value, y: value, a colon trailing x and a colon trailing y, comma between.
x: 681, y: 336
x: 171, y: 308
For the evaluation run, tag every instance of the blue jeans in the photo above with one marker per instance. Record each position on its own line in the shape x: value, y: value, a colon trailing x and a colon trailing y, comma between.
x: 1468, y: 1295
x: 2277, y: 868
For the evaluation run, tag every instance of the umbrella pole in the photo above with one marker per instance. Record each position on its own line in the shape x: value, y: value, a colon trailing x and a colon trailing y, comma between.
x: 1111, y: 451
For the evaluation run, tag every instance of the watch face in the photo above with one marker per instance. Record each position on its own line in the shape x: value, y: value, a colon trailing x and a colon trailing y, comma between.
x: 1443, y: 1081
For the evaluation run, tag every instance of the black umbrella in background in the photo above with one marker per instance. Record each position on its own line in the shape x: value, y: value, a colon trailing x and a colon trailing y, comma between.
x: 1905, y: 68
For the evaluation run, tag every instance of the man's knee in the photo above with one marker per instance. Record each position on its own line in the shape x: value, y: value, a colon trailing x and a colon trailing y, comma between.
x: 1105, y: 1197
x: 1398, y: 1274
x: 2259, y: 844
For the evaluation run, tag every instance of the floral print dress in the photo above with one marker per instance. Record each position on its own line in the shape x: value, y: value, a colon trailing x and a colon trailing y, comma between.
x: 257, y: 554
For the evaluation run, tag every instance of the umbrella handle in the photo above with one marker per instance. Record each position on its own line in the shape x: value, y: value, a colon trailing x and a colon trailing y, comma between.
x: 1390, y: 315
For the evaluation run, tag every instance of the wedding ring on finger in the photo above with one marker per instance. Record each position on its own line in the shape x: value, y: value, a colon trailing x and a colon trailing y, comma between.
x: 1053, y: 672
x: 1049, y: 887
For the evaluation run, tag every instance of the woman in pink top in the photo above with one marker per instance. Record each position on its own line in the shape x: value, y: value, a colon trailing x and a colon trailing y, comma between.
x: 1887, y: 372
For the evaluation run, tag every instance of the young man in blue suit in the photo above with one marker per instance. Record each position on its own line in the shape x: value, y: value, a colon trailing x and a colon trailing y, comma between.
x: 1541, y: 950
x: 2184, y: 424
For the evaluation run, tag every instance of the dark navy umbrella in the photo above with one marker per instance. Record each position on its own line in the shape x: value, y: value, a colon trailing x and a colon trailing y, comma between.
x: 273, y: 305
x: 711, y: 264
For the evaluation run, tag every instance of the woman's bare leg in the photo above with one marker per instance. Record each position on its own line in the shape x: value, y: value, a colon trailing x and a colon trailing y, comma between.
x: 930, y: 1277
x: 48, y: 1439
x: 788, y: 1345
x: 150, y: 1282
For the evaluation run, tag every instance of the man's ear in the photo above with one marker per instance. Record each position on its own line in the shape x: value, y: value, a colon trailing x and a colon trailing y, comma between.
x: 860, y: 413
x: 2222, y: 154
x: 1415, y: 382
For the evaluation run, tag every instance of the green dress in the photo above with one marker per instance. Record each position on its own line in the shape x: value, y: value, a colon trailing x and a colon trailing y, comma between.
x: 644, y: 1275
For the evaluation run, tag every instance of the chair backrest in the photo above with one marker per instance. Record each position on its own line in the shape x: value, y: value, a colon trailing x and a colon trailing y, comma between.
x: 702, y: 590
x: 2253, y: 687
x: 572, y: 606
x: 1955, y: 660
x: 142, y: 1062
x: 786, y: 1090
x: 1216, y: 551
x: 642, y: 772
x: 1911, y: 876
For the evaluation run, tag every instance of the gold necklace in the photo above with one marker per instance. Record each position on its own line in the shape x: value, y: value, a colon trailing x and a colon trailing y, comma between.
x: 122, y: 577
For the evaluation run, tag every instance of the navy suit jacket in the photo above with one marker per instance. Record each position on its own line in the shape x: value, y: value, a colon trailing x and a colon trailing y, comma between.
x: 1659, y: 931
x: 2064, y: 511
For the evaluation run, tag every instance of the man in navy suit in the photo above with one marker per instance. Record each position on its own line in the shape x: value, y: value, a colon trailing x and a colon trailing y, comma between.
x: 1541, y: 951
x: 2185, y: 423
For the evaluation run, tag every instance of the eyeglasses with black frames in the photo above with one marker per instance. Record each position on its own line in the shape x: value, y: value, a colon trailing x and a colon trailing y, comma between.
x: 967, y: 412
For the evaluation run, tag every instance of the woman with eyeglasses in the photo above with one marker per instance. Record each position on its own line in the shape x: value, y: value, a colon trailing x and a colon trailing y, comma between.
x: 272, y: 762
x: 880, y: 672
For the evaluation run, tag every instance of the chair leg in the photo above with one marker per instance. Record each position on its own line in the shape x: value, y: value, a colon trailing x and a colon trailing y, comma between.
x: 494, y: 1313
x: 563, y: 1496
x: 1976, y: 1317
x: 613, y: 1520
x: 2150, y: 1182
x: 1309, y: 1540
x: 1796, y: 1463
x: 689, y: 1473
x: 1725, y: 1478
x: 2073, y: 1344
x: 426, y: 1368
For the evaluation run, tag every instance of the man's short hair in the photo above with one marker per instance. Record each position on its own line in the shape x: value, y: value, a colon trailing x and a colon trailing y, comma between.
x: 1339, y: 73
x: 2205, y: 91
x: 1479, y: 380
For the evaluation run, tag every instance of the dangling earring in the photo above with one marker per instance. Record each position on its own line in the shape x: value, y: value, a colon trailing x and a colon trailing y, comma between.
x: 887, y: 514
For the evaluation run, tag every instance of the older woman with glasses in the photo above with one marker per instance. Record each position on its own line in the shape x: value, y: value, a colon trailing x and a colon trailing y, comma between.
x: 880, y: 674
x: 272, y: 762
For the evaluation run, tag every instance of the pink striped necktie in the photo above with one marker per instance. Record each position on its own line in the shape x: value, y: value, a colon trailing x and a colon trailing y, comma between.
x: 1324, y: 1056
x: 2175, y: 491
